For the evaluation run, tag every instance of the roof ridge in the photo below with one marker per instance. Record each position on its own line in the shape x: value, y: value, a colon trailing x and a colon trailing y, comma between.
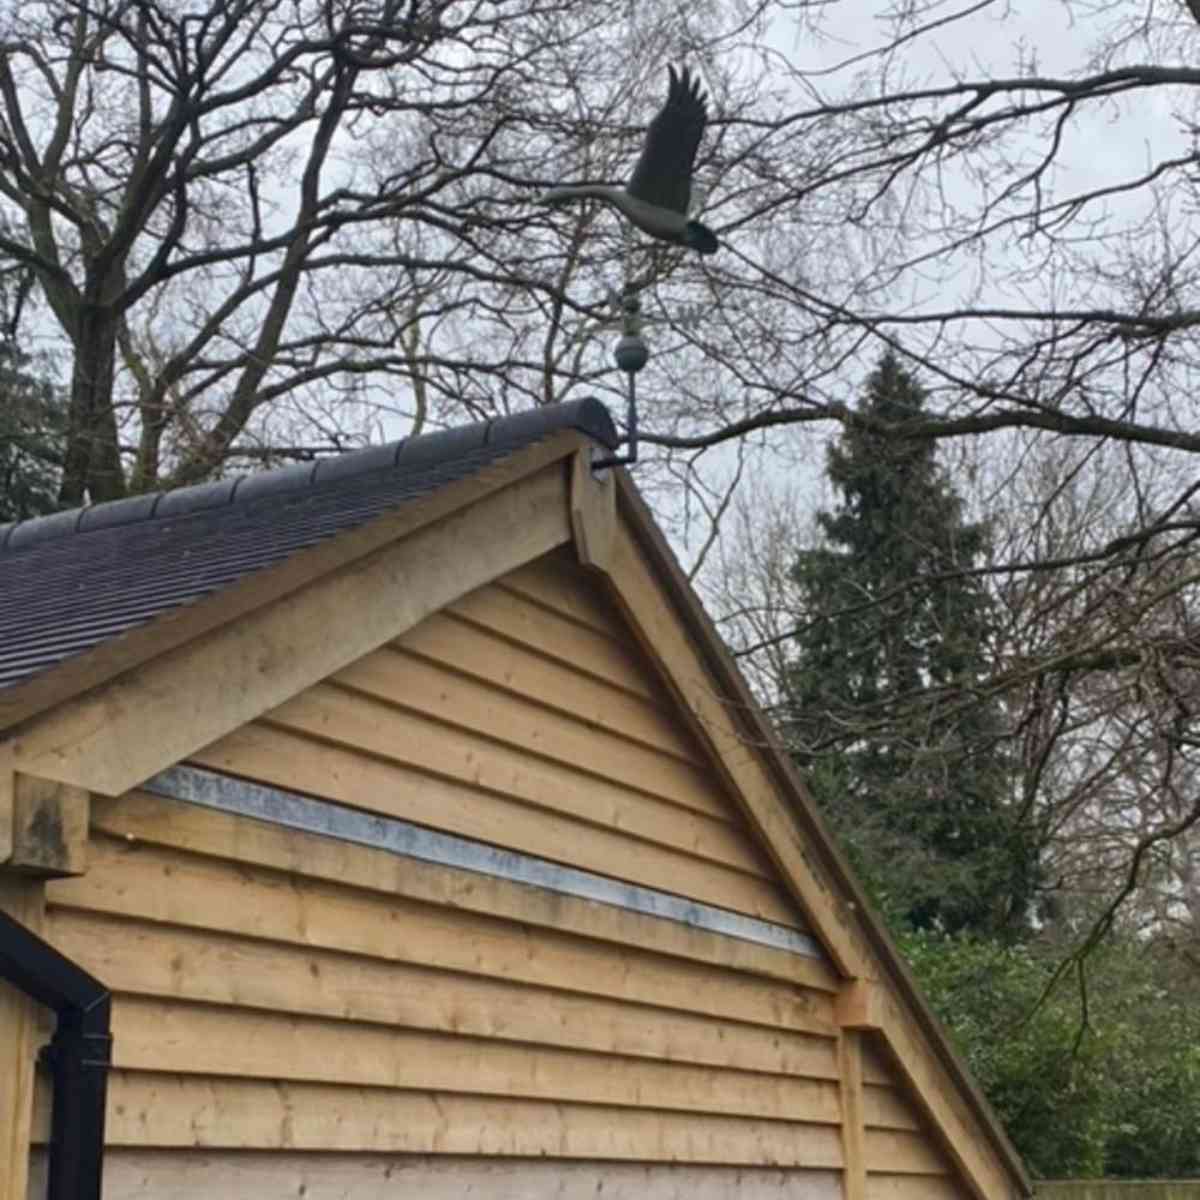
x: 588, y: 415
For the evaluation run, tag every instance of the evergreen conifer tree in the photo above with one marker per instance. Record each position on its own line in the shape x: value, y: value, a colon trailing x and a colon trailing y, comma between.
x: 883, y: 711
x: 33, y: 423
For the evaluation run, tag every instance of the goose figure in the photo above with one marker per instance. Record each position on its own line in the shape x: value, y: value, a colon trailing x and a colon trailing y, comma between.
x: 657, y: 197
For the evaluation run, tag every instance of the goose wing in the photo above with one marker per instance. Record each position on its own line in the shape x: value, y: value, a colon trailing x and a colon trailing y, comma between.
x: 663, y: 175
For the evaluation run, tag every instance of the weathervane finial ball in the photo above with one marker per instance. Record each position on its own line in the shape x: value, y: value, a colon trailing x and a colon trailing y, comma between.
x: 632, y: 353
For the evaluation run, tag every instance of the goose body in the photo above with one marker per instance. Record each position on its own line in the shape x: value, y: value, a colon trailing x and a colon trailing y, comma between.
x: 658, y: 194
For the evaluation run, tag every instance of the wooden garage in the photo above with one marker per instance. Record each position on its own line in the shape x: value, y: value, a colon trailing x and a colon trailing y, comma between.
x: 429, y: 843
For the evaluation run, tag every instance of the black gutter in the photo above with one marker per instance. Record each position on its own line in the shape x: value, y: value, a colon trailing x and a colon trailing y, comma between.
x: 78, y: 1056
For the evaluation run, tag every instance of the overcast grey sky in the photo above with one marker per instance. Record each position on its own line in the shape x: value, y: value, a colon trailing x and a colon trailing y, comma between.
x: 1107, y: 142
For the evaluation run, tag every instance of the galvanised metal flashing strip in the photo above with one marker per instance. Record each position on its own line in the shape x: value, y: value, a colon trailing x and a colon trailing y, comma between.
x: 210, y: 789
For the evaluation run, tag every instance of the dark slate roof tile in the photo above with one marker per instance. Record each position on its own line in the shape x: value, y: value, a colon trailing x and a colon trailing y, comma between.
x: 448, y: 443
x: 373, y: 458
x: 272, y: 483
x: 73, y: 580
x: 117, y: 512
x: 44, y: 529
x: 196, y: 498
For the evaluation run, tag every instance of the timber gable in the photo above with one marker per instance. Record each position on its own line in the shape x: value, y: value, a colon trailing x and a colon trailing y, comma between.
x: 455, y: 836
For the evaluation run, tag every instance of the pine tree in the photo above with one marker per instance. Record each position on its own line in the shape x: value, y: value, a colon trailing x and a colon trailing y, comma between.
x: 903, y: 753
x: 32, y: 437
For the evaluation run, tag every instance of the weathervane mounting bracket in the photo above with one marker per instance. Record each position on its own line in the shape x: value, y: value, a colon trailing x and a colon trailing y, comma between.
x: 631, y: 354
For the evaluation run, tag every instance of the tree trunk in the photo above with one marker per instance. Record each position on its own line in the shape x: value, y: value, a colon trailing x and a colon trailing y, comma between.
x: 92, y: 466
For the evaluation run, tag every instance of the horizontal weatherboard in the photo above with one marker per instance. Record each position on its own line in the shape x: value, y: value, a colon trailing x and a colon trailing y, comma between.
x: 275, y: 806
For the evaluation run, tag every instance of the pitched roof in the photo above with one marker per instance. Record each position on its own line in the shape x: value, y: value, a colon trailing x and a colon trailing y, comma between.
x: 75, y: 579
x: 220, y: 655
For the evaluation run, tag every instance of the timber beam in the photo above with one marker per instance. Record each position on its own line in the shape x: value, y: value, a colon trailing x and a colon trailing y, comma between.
x: 43, y: 825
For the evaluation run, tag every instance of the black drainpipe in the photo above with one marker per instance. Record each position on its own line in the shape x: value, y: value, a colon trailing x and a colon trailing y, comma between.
x: 78, y: 1056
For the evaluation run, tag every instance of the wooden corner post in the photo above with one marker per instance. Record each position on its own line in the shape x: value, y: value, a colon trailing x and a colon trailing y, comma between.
x: 23, y: 898
x: 853, y: 1122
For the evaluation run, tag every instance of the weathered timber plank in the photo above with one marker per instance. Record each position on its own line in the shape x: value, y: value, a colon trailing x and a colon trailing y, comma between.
x: 509, y: 767
x: 881, y: 1186
x: 554, y: 582
x: 201, y: 1039
x: 139, y: 818
x: 303, y: 764
x: 168, y: 1110
x: 480, y: 654
x: 384, y: 729
x: 876, y: 1063
x: 419, y: 686
x: 165, y: 961
x: 353, y: 720
x: 509, y: 614
x: 886, y: 1108
x: 167, y: 886
x: 902, y: 1152
x: 251, y: 1175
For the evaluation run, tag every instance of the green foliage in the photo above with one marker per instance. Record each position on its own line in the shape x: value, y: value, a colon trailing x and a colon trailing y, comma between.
x: 32, y: 434
x: 882, y: 704
x: 1103, y: 1086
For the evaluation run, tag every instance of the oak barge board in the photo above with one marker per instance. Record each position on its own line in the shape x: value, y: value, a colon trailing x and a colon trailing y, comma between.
x: 648, y: 586
x: 140, y: 826
x: 111, y: 739
x: 191, y: 621
x: 649, y: 609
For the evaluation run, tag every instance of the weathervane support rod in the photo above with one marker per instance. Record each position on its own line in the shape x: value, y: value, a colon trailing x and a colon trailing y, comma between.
x: 631, y: 355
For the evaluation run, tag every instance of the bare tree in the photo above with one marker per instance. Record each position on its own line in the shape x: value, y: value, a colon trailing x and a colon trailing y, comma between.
x: 1097, y: 669
x: 258, y: 226
x: 228, y: 205
x: 1092, y: 663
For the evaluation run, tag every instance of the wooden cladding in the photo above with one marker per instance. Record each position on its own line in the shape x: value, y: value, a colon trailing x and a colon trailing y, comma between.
x: 243, y: 989
x: 200, y: 1175
x: 473, y: 725
x: 280, y: 807
x: 278, y: 991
